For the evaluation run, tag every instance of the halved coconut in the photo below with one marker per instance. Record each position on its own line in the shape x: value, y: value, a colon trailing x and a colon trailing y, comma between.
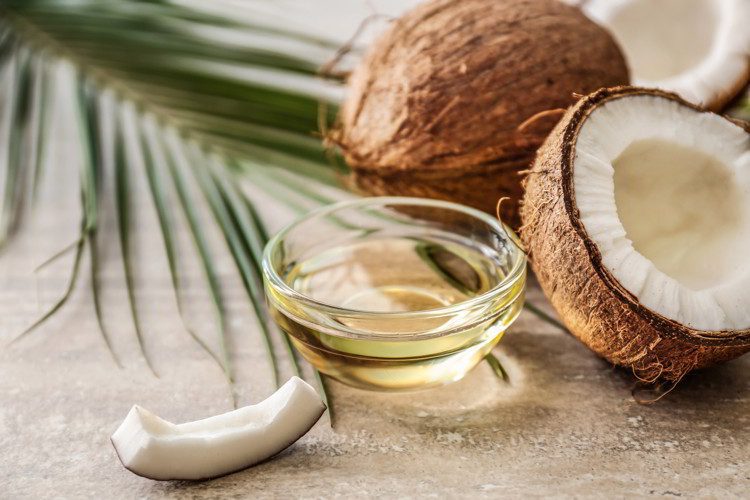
x: 152, y: 447
x: 637, y: 220
x: 697, y: 48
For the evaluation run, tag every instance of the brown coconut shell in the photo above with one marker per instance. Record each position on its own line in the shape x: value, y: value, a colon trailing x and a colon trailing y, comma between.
x: 594, y: 306
x: 435, y: 108
x: 724, y: 99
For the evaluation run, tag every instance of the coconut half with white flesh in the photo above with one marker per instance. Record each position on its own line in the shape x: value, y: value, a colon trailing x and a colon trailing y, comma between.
x: 637, y: 220
x: 699, y: 49
x: 154, y: 448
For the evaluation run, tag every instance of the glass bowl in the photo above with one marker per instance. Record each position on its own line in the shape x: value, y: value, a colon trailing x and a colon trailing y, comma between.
x: 394, y: 293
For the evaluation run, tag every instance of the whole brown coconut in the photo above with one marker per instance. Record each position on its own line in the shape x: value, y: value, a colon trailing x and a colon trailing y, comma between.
x: 577, y: 274
x: 436, y: 107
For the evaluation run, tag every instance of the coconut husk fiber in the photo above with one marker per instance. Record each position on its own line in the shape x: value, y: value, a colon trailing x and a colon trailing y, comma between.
x: 594, y: 306
x: 454, y: 99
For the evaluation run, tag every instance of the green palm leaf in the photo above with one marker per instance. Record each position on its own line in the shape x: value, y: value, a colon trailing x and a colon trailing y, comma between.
x: 212, y: 101
x: 203, y: 104
x: 17, y: 161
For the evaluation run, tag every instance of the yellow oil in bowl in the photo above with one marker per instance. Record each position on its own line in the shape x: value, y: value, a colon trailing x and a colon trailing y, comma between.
x: 382, y: 296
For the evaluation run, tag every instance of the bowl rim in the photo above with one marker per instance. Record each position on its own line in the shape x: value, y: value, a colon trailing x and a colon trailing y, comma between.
x: 272, y: 278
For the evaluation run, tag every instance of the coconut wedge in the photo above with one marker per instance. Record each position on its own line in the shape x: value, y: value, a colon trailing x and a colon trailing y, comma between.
x: 151, y: 447
x: 637, y: 220
x: 697, y: 48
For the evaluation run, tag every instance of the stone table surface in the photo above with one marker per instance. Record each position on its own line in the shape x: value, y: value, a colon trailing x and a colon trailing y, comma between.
x: 565, y: 425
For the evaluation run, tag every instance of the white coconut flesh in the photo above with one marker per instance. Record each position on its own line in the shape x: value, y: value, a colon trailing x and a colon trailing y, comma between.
x: 699, y: 49
x: 664, y: 192
x: 157, y: 449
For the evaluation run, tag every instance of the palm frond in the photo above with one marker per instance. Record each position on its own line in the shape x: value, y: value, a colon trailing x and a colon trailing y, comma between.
x: 539, y: 313
x: 741, y: 107
x: 248, y: 95
x: 255, y: 235
x: 195, y: 94
x: 185, y: 203
x: 497, y: 367
x: 96, y: 295
x: 151, y: 152
x: 41, y: 109
x: 17, y: 161
x: 238, y: 245
x: 79, y: 248
x: 92, y: 179
x: 88, y: 197
x: 123, y: 208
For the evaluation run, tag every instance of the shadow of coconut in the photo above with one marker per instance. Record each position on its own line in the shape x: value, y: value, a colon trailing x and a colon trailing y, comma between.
x: 719, y: 386
x: 481, y: 400
x: 560, y: 397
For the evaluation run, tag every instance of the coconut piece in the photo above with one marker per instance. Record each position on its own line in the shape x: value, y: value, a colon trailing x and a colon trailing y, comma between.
x: 151, y: 447
x: 454, y: 99
x: 697, y: 48
x: 637, y: 220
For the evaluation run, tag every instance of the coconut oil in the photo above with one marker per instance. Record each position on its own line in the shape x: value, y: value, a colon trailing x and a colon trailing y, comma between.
x: 401, y: 311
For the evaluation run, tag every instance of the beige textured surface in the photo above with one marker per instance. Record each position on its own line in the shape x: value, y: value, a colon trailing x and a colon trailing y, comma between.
x: 565, y: 426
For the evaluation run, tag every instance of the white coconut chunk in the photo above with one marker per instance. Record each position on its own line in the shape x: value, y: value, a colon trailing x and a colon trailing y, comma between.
x: 157, y: 449
x: 699, y: 49
x: 678, y: 234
